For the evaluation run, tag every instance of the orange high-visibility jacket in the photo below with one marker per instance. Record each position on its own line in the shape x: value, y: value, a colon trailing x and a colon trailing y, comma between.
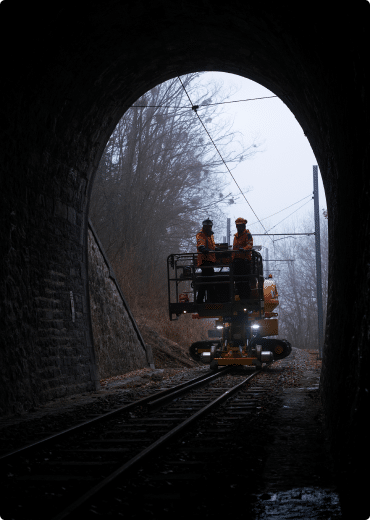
x: 209, y: 243
x: 245, y: 240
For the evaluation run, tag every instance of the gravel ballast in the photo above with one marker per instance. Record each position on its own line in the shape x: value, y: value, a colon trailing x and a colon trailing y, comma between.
x: 296, y: 472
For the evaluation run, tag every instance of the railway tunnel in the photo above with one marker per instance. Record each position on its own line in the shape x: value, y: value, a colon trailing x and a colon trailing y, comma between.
x: 69, y: 74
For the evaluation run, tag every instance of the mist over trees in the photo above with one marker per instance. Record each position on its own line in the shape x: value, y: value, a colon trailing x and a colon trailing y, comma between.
x: 296, y: 282
x: 160, y: 175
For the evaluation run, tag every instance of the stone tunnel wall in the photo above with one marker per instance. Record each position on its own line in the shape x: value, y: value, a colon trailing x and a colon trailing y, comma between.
x: 118, y: 344
x: 50, y: 354
x: 76, y: 73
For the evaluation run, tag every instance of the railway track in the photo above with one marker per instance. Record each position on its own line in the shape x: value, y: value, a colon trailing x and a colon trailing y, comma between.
x: 94, y: 417
x: 68, y: 472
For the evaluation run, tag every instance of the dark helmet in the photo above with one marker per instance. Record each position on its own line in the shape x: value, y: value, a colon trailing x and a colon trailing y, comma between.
x: 207, y: 222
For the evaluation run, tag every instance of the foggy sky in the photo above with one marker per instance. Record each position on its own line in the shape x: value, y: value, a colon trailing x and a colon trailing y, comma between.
x: 280, y: 175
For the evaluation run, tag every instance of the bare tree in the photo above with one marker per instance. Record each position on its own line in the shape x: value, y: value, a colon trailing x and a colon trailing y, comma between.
x: 160, y: 174
x: 298, y: 320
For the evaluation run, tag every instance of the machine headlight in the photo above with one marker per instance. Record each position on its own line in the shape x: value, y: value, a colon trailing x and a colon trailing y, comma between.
x: 255, y: 326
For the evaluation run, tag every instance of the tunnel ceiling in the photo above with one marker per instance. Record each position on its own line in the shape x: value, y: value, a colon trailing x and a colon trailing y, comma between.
x: 83, y: 69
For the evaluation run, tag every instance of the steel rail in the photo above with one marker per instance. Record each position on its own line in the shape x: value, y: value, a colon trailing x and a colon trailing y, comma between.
x: 160, y: 401
x: 177, y: 390
x: 150, y: 449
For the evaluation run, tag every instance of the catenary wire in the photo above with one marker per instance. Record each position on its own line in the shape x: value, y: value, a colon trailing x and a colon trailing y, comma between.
x: 288, y: 216
x: 214, y: 144
x: 195, y: 108
x: 281, y: 210
x: 202, y: 106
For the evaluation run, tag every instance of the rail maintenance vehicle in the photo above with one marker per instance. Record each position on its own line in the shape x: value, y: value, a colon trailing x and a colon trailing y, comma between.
x: 243, y: 326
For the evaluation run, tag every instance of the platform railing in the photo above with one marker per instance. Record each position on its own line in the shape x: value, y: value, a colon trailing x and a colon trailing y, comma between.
x: 185, y: 277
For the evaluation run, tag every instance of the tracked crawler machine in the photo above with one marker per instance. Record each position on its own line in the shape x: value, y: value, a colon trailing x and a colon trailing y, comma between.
x: 243, y: 326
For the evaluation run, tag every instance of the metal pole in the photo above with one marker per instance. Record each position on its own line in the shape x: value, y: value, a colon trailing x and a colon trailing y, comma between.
x: 228, y: 231
x: 267, y: 261
x: 318, y: 261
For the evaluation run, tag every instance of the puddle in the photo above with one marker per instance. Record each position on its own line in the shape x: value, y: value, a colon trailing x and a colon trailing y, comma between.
x: 308, y: 388
x: 298, y: 503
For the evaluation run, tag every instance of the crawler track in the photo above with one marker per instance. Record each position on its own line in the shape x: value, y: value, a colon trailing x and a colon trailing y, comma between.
x: 69, y: 470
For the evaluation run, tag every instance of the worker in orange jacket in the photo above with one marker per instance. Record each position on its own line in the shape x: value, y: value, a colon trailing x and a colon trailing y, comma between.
x: 243, y: 243
x: 206, y: 259
x: 206, y: 244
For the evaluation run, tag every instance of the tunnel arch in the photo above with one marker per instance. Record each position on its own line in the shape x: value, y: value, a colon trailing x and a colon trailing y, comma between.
x: 159, y: 82
x: 67, y: 82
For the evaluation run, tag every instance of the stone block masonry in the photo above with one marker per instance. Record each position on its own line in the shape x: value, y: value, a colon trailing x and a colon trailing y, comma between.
x: 119, y: 346
x: 59, y: 105
x: 57, y: 357
x: 49, y: 353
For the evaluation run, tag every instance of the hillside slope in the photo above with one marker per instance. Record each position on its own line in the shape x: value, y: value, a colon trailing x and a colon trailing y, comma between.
x: 166, y: 353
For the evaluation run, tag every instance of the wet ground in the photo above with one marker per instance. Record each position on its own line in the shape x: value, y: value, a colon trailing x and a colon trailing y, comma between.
x: 298, y: 476
x: 277, y: 465
x: 274, y: 465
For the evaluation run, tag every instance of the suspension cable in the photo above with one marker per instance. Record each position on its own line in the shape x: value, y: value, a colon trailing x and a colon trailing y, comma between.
x: 195, y: 109
x: 282, y: 209
x: 288, y: 216
x: 202, y: 105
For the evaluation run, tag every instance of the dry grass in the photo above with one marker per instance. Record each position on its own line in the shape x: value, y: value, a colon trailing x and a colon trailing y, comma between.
x: 149, y: 306
x: 183, y: 331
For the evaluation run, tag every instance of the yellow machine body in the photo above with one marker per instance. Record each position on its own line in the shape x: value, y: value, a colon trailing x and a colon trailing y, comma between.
x: 266, y: 323
x: 244, y: 325
x: 227, y: 361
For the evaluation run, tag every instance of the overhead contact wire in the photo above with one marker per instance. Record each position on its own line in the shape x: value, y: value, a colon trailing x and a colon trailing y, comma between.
x: 298, y: 201
x: 195, y: 107
x: 288, y: 216
x: 201, y: 106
